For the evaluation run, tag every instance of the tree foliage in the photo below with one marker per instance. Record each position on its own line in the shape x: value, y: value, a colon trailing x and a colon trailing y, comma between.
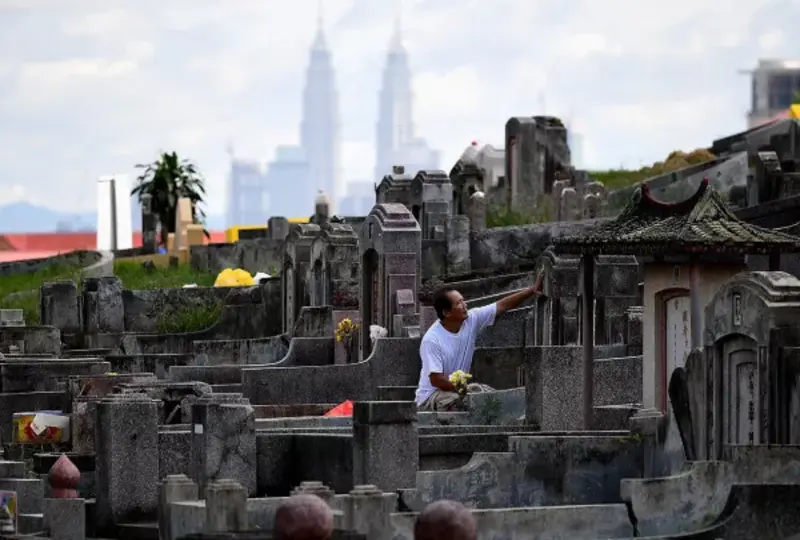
x: 168, y: 179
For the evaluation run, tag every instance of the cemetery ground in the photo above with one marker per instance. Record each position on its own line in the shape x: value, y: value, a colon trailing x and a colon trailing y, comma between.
x: 21, y: 291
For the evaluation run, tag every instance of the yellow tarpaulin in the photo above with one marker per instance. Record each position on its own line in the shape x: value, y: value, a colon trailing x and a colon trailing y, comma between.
x: 794, y: 111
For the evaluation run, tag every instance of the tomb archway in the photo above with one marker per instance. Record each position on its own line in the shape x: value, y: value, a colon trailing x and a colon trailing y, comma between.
x: 741, y: 410
x: 673, y: 336
x: 369, y: 297
x: 318, y: 284
x: 288, y: 286
x: 750, y: 382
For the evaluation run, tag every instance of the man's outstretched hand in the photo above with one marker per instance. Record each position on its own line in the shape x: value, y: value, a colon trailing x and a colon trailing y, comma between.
x: 514, y: 300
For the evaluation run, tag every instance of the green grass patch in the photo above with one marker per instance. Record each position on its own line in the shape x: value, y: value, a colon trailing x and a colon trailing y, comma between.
x: 21, y: 291
x: 135, y: 277
x: 501, y: 216
x: 675, y: 161
x: 189, y: 318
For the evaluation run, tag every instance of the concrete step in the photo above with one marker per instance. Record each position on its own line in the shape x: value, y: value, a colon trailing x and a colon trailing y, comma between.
x: 12, y: 469
x: 138, y: 531
x: 227, y: 388
x: 85, y: 353
x: 30, y: 523
x: 30, y: 493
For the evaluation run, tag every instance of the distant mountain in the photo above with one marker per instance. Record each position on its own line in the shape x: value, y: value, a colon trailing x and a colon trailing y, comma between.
x: 23, y: 217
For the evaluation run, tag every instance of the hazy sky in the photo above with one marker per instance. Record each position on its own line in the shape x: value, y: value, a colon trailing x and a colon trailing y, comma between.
x: 91, y: 87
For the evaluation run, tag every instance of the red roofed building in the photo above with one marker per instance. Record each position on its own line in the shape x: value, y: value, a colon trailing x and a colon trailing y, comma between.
x: 24, y: 246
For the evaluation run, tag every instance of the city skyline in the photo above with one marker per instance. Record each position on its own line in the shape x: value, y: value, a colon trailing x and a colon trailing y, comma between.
x: 93, y: 88
x: 290, y: 180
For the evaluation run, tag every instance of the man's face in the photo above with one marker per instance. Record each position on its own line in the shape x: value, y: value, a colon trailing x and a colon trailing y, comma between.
x: 458, y: 309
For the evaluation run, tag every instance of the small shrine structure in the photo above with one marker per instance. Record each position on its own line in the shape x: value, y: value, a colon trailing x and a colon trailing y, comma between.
x: 689, y: 249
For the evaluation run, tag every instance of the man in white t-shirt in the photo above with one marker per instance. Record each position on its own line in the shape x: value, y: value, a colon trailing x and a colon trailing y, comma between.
x: 449, y: 344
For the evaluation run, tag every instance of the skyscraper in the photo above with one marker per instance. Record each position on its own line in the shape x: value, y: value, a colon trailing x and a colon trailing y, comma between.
x: 396, y: 142
x: 320, y: 130
x: 248, y: 198
x: 774, y: 84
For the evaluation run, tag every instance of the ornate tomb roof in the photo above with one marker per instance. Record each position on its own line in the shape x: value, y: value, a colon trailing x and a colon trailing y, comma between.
x: 701, y: 224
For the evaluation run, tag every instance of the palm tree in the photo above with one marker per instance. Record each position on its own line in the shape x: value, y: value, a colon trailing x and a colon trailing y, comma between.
x: 166, y: 180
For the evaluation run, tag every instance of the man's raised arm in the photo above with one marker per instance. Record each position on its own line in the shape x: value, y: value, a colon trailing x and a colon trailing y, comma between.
x: 514, y: 300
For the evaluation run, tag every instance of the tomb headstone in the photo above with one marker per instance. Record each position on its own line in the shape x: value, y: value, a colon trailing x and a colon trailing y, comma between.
x: 174, y: 488
x: 126, y: 460
x: 315, y: 488
x: 432, y: 194
x: 226, y: 507
x: 332, y: 274
x: 278, y: 228
x: 749, y: 395
x: 59, y: 303
x: 389, y: 249
x: 385, y: 444
x: 223, y: 441
x: 568, y: 205
x: 368, y: 510
x: 296, y: 255
x: 102, y: 305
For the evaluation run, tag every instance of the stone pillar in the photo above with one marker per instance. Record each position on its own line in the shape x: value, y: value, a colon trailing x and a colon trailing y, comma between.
x: 149, y: 225
x: 385, y: 444
x: 314, y: 488
x: 223, y: 441
x: 278, y: 228
x: 427, y: 316
x: 174, y: 488
x: 59, y: 306
x: 634, y: 317
x: 126, y: 462
x: 477, y: 211
x: 65, y: 519
x: 458, y: 248
x: 12, y: 317
x: 367, y: 510
x: 649, y: 425
x: 226, y: 507
x: 103, y: 310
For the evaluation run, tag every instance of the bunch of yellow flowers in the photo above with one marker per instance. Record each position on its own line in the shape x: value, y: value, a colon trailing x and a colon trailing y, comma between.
x: 345, y: 329
x: 460, y: 380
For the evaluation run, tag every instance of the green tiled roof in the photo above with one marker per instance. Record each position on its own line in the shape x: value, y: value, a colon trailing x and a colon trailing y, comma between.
x: 702, y: 223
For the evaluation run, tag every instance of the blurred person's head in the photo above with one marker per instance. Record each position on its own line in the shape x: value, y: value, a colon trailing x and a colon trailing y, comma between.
x: 445, y: 520
x: 303, y: 517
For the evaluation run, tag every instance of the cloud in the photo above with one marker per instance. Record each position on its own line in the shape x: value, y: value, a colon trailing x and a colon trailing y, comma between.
x: 101, y: 85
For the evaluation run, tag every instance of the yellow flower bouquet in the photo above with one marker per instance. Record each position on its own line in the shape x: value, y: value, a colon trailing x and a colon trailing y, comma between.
x: 459, y: 379
x: 346, y: 332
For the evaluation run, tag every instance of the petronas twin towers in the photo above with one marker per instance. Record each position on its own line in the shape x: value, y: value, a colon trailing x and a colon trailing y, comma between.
x: 395, y: 139
x: 296, y: 174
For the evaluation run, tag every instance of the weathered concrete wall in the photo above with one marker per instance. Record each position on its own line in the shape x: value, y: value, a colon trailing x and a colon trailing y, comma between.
x: 393, y: 362
x: 95, y: 263
x: 514, y: 246
x: 573, y: 522
x: 253, y: 255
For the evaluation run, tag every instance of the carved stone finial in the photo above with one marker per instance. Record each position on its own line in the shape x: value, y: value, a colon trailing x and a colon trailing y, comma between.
x: 64, y: 477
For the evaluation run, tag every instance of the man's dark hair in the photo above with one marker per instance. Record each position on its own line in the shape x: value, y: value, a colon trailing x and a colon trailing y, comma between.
x: 441, y: 302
